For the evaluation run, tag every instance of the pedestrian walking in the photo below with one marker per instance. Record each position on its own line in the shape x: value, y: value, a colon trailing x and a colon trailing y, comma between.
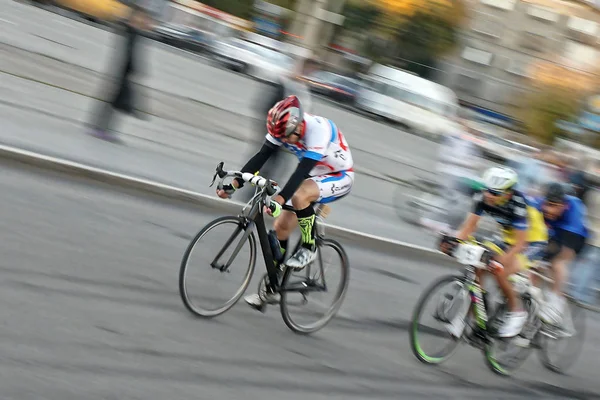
x: 124, y: 96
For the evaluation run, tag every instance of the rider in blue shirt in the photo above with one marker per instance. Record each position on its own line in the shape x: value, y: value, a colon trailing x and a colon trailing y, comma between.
x: 565, y: 217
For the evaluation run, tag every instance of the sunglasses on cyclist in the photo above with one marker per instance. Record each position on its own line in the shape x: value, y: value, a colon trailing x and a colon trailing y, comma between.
x: 552, y: 204
x: 496, y: 192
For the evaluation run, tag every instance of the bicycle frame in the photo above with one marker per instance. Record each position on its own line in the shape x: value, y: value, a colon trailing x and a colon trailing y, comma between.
x: 479, y: 306
x: 255, y: 219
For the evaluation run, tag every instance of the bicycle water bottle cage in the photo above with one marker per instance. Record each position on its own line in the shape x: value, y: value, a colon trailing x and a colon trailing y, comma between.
x: 275, y: 246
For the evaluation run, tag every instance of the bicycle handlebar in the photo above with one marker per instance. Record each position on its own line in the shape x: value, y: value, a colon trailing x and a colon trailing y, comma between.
x: 271, y: 186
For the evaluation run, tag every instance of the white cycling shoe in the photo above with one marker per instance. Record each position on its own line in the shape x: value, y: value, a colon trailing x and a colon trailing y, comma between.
x: 513, y: 324
x: 254, y: 300
x: 302, y: 258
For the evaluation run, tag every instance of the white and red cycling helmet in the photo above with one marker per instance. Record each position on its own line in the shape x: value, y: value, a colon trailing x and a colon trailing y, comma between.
x: 284, y: 117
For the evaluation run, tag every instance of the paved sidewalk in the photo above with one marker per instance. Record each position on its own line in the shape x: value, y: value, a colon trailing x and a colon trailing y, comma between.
x: 380, y: 156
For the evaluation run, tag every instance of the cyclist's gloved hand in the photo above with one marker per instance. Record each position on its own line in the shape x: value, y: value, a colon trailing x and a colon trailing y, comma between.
x: 226, y: 191
x: 447, y: 244
x: 274, y: 209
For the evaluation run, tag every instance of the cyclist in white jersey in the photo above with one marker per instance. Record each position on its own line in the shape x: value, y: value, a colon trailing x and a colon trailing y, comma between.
x: 323, y: 175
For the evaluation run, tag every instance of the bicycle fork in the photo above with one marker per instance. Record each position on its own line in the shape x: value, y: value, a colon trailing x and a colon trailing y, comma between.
x: 247, y: 230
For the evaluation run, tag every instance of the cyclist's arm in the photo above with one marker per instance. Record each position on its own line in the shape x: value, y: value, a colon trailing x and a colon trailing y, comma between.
x: 520, y: 226
x: 316, y: 142
x: 520, y: 243
x: 473, y: 218
x: 468, y: 226
x: 300, y: 174
x: 560, y: 262
x: 258, y: 160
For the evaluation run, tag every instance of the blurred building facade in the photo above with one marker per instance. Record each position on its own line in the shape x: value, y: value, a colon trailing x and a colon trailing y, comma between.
x: 504, y: 38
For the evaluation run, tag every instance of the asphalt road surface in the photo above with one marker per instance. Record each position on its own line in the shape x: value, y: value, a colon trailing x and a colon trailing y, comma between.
x: 91, y: 310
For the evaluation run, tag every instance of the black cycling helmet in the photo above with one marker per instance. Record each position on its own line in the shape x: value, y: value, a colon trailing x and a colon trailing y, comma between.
x: 556, y: 193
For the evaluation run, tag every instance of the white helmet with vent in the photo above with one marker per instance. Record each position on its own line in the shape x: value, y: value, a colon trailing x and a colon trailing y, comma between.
x: 499, y: 179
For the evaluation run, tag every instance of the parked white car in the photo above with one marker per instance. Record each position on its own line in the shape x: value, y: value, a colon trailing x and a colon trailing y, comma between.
x: 252, y: 59
x: 425, y: 107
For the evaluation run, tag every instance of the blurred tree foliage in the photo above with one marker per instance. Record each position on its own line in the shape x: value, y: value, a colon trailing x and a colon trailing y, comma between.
x: 453, y: 12
x: 557, y: 95
x: 245, y: 8
x: 239, y: 8
x: 360, y: 16
x: 422, y: 39
x: 546, y: 106
x: 412, y: 34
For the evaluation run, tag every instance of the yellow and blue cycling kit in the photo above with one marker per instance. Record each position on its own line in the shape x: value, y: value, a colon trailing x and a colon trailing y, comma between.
x: 517, y: 214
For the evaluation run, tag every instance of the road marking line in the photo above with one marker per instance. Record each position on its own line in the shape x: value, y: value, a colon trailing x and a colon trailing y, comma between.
x: 8, y: 22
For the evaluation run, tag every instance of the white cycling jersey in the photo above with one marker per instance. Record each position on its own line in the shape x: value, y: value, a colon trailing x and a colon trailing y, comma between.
x: 323, y: 142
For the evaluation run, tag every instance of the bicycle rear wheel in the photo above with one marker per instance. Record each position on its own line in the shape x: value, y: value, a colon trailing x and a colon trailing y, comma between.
x: 219, y: 260
x: 560, y: 347
x: 299, y: 288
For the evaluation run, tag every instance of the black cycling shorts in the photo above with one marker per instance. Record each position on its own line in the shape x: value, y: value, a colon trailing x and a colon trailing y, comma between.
x: 564, y: 239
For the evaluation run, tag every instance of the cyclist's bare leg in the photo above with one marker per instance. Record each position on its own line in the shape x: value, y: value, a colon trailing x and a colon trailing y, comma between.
x: 502, y: 276
x: 306, y: 194
x: 516, y: 317
x: 511, y: 265
x: 285, y: 224
x: 552, y: 311
x: 559, y: 268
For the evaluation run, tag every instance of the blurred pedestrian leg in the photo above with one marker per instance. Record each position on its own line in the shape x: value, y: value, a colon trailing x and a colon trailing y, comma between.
x: 586, y: 276
x: 585, y: 273
x: 123, y: 97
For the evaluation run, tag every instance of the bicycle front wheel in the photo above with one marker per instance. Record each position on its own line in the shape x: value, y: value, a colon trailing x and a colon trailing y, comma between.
x: 214, y: 277
x: 446, y: 296
x: 304, y: 305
